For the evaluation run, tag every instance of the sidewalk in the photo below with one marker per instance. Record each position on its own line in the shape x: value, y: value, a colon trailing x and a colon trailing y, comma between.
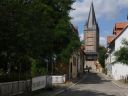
x: 59, y: 88
x: 120, y: 84
x: 56, y: 89
x: 116, y: 82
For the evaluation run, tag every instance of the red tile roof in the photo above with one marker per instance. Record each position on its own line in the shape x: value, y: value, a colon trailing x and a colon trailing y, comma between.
x: 120, y: 33
x: 118, y: 29
x: 121, y: 24
x: 109, y: 39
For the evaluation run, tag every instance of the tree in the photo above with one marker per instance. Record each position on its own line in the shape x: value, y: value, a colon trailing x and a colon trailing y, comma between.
x: 32, y: 31
x: 102, y: 52
x: 122, y: 53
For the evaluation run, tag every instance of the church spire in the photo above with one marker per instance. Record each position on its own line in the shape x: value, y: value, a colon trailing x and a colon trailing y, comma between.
x: 91, y: 18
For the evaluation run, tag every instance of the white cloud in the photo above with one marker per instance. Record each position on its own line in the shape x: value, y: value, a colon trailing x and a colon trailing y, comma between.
x: 103, y: 8
x: 103, y: 41
x: 81, y: 36
x: 81, y: 11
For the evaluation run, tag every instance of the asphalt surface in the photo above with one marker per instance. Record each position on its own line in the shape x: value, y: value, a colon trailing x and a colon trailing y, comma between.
x: 94, y: 84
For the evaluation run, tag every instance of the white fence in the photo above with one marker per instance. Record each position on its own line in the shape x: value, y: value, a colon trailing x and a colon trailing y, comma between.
x: 43, y: 81
x: 58, y: 79
x: 120, y: 71
x: 38, y: 83
x: 12, y: 88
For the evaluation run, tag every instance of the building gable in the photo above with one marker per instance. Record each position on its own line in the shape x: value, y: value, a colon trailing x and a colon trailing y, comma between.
x: 118, y: 40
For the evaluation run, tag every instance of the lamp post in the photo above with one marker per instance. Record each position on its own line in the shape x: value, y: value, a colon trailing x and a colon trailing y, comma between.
x: 46, y: 60
x: 54, y: 59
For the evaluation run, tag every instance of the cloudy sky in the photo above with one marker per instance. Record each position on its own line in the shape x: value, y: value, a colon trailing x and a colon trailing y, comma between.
x: 108, y: 12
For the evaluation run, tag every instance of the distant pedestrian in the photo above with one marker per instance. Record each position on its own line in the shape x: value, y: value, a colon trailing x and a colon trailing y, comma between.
x: 88, y: 68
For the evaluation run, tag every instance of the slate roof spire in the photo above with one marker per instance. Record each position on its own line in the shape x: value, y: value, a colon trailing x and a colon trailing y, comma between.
x: 91, y: 18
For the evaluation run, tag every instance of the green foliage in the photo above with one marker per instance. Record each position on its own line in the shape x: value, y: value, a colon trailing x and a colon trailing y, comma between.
x: 37, y: 68
x: 122, y: 53
x: 70, y: 43
x: 102, y: 51
x: 125, y: 42
x: 32, y: 31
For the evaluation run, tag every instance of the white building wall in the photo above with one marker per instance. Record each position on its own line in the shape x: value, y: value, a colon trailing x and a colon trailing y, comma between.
x: 108, y: 65
x: 108, y: 59
x: 113, y: 58
x: 119, y: 70
x: 118, y: 41
x: 74, y: 66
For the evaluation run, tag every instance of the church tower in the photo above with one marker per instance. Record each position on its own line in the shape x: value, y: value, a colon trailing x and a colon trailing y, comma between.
x: 91, y: 39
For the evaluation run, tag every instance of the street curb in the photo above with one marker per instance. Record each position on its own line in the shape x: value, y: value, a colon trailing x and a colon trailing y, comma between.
x: 118, y: 85
x: 114, y: 82
x: 61, y: 91
x: 126, y: 94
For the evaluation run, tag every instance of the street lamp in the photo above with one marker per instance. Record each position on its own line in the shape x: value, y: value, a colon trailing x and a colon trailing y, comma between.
x: 46, y: 60
x: 54, y: 59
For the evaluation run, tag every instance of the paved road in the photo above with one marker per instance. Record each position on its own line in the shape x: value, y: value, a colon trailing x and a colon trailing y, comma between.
x: 94, y: 84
